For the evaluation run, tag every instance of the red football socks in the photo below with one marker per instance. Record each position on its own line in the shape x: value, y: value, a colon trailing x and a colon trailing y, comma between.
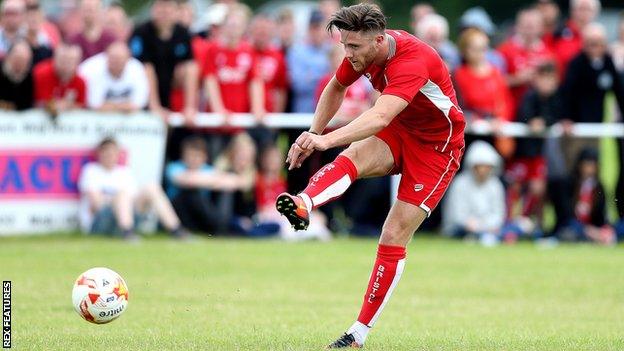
x: 329, y: 183
x: 384, y: 278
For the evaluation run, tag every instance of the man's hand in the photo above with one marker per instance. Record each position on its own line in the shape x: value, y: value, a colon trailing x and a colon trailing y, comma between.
x: 303, y: 148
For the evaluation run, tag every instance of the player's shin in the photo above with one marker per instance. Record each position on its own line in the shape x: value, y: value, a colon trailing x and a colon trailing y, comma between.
x: 384, y: 278
x: 329, y: 183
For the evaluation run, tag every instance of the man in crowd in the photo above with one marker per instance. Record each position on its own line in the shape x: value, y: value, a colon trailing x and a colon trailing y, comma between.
x: 116, y: 81
x: 568, y: 41
x: 93, y: 39
x: 58, y: 87
x: 433, y: 29
x: 162, y: 45
x: 524, y: 52
x: 11, y: 23
x: 16, y: 81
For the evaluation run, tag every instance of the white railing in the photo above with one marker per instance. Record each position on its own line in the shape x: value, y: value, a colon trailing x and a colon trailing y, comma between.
x: 303, y: 120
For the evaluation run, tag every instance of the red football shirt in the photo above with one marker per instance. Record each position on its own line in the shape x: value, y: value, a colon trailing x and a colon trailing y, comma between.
x: 234, y: 69
x: 567, y: 44
x: 486, y: 96
x: 518, y: 58
x: 415, y: 72
x: 267, y: 190
x: 48, y: 86
x: 271, y: 67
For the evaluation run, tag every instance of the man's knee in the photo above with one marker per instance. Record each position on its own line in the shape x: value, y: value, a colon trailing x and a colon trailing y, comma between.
x: 397, y: 233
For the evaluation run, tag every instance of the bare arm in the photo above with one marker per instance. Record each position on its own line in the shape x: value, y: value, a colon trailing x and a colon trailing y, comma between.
x: 190, y: 85
x: 96, y: 200
x: 368, y: 123
x: 279, y: 100
x: 152, y: 80
x: 256, y: 92
x: 213, y: 180
x: 211, y: 87
x: 329, y: 103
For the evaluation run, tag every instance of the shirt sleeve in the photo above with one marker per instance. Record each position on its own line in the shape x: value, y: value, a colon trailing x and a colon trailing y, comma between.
x: 138, y: 48
x: 405, y: 78
x: 86, y: 180
x: 183, y: 51
x: 345, y: 74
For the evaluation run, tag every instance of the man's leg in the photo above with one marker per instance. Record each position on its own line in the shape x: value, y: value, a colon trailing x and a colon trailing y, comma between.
x: 401, y: 223
x: 152, y: 196
x: 367, y: 158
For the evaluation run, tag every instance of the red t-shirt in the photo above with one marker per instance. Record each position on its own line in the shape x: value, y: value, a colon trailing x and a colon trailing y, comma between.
x: 267, y: 191
x: 271, y: 67
x: 518, y: 58
x: 234, y: 68
x: 415, y: 73
x: 486, y: 95
x: 48, y: 85
x: 567, y: 45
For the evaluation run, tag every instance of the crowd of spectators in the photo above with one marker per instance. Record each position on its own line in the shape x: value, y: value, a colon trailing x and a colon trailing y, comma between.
x: 546, y: 69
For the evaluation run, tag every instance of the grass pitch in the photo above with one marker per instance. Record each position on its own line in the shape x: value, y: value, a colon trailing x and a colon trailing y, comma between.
x: 220, y: 294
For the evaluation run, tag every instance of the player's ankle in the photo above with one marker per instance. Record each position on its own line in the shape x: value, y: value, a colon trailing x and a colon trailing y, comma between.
x: 359, y: 331
x: 307, y: 201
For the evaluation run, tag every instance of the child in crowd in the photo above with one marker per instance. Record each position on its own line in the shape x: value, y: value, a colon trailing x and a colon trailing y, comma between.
x: 475, y: 202
x: 589, y: 221
x: 269, y: 184
x: 526, y: 172
x: 200, y: 194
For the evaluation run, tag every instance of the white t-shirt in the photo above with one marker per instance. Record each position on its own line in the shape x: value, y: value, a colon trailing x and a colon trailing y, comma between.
x: 102, y: 87
x: 94, y: 177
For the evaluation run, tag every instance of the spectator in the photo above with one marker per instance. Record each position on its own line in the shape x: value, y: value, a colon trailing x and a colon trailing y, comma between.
x: 617, y: 48
x: 162, y: 45
x: 590, y: 213
x: 111, y: 198
x: 12, y: 24
x: 482, y: 91
x: 200, y: 194
x: 231, y: 82
x: 286, y: 30
x: 568, y: 41
x: 308, y: 63
x: 269, y: 184
x: 478, y: 18
x: 35, y: 18
x: 42, y: 35
x: 58, y: 88
x: 523, y: 53
x: 116, y: 81
x: 16, y: 81
x: 433, y: 29
x: 116, y: 22
x: 240, y: 158
x: 270, y: 63
x: 590, y: 75
x: 550, y: 14
x: 418, y: 12
x: 526, y: 173
x: 359, y: 95
x: 93, y: 38
x: 475, y: 203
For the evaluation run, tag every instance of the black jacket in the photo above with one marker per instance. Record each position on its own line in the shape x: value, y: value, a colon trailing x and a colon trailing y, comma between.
x: 533, y: 105
x: 585, y: 86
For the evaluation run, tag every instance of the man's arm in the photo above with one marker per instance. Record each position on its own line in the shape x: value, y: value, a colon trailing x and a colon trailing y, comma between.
x: 368, y: 123
x: 329, y: 103
x: 257, y: 94
x: 191, y: 72
x: 152, y: 80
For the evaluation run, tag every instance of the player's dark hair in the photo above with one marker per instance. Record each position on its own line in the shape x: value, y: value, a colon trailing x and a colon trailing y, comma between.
x: 195, y: 142
x: 108, y: 141
x: 358, y: 18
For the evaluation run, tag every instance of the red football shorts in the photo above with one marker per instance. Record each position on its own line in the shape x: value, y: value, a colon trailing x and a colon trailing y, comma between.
x: 426, y: 170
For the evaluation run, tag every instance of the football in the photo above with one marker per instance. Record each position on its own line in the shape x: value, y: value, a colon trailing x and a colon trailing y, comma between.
x: 100, y: 295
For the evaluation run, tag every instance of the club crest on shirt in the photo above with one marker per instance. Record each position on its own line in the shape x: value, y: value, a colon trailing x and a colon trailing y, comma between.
x: 368, y: 76
x: 418, y: 187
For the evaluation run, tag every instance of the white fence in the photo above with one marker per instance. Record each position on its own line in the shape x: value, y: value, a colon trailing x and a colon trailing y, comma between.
x: 40, y: 159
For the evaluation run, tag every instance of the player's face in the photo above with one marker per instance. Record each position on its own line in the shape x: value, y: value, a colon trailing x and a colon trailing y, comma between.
x: 361, y: 48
